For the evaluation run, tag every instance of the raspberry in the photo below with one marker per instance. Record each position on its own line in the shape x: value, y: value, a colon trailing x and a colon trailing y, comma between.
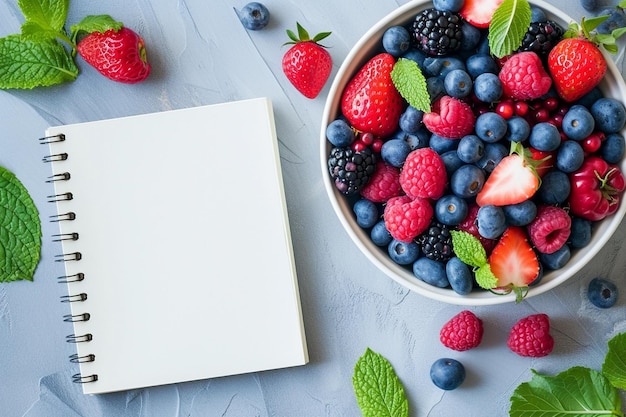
x: 550, y: 229
x: 405, y: 217
x: 462, y: 332
x: 423, y: 174
x: 531, y: 336
x: 523, y: 77
x: 384, y: 184
x: 450, y: 118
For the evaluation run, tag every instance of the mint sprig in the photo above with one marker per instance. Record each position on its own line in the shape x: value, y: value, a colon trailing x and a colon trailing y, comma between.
x: 379, y: 391
x: 408, y: 79
x: 469, y: 250
x: 614, y: 366
x: 508, y: 26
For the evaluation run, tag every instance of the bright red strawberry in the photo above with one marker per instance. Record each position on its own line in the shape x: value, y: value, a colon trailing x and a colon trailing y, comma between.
x: 370, y: 101
x: 531, y: 337
x: 118, y: 55
x: 514, y: 262
x: 512, y: 181
x: 405, y: 217
x: 424, y: 174
x: 384, y: 184
x: 450, y: 118
x: 462, y: 332
x: 550, y: 229
x: 307, y: 64
x: 479, y: 12
x: 523, y: 77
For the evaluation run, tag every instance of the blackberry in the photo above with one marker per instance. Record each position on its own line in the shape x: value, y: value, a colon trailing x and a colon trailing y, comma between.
x: 437, y: 32
x: 351, y: 170
x: 541, y: 37
x: 436, y: 242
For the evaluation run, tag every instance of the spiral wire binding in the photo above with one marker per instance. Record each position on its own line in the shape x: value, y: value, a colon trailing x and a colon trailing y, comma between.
x: 69, y: 257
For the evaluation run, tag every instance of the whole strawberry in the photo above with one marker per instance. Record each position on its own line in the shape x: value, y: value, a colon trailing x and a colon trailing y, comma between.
x: 462, y: 332
x: 307, y: 64
x: 531, y: 337
x: 119, y: 55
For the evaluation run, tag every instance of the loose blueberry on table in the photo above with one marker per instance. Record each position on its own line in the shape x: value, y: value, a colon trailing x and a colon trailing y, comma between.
x: 511, y: 149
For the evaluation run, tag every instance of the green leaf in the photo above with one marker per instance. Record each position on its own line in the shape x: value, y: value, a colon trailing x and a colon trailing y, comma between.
x: 578, y: 391
x: 468, y: 248
x: 485, y: 277
x: 95, y: 23
x: 378, y: 389
x: 614, y: 366
x: 48, y: 14
x: 408, y: 79
x: 27, y: 63
x: 20, y: 230
x: 508, y: 26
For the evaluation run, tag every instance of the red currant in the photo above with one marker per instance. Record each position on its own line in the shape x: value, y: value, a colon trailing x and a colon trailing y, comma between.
x: 521, y: 108
x: 541, y: 115
x: 551, y: 103
x: 593, y: 142
x: 505, y: 109
x: 358, y: 145
x: 367, y: 138
x: 377, y: 145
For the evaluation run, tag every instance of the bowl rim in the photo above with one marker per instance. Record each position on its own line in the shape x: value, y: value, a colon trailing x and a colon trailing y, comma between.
x: 612, y: 86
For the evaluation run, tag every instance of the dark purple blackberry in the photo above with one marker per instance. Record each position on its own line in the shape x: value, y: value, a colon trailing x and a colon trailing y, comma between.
x: 437, y: 32
x: 351, y: 170
x: 436, y: 242
x: 541, y: 37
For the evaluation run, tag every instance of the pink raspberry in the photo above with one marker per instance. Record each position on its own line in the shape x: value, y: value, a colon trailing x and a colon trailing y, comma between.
x: 462, y: 332
x: 450, y: 118
x: 407, y: 217
x: 531, y: 336
x: 523, y: 77
x: 550, y: 229
x: 384, y: 184
x: 424, y: 174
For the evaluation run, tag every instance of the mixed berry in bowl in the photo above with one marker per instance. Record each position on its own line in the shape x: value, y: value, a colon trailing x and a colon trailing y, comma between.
x: 462, y: 168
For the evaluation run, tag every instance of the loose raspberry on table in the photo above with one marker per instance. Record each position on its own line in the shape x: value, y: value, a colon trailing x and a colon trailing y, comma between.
x: 523, y: 77
x: 462, y: 332
x: 384, y: 184
x: 424, y: 174
x: 407, y: 217
x: 531, y: 337
x: 550, y: 229
x: 450, y: 118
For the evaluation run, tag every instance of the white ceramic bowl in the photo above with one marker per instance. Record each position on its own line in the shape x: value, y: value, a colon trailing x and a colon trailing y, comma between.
x: 369, y: 44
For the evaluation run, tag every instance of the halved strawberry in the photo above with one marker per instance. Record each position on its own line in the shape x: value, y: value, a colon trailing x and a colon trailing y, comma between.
x: 514, y: 262
x: 512, y: 181
x: 479, y: 12
x: 546, y: 160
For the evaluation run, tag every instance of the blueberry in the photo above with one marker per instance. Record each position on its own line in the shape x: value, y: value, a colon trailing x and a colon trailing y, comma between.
x: 254, y: 16
x: 467, y: 181
x: 570, y: 156
x: 520, y: 214
x: 411, y: 120
x: 470, y: 149
x: 451, y: 210
x: 602, y: 293
x: 494, y: 152
x: 491, y: 221
x: 460, y: 276
x: 537, y: 14
x: 458, y: 83
x: 590, y: 5
x: 518, y: 129
x: 415, y: 140
x: 481, y: 63
x: 440, y: 144
x: 488, y: 87
x: 483, y: 46
x: 366, y: 213
x: 395, y: 151
x: 447, y: 373
x: 471, y: 36
x: 544, y: 137
x: 609, y: 114
x: 452, y: 162
x: 580, y: 234
x: 403, y: 253
x: 339, y: 133
x: 588, y: 99
x: 435, y: 87
x: 578, y: 123
x: 556, y: 260
x: 430, y: 271
x: 616, y: 20
x: 490, y: 127
x: 380, y: 235
x: 612, y: 148
x: 449, y: 5
x: 555, y: 187
x: 416, y: 56
x: 441, y: 66
x: 396, y: 40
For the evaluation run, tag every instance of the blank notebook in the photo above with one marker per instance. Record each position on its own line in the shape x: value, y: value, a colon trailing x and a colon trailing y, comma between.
x: 176, y: 246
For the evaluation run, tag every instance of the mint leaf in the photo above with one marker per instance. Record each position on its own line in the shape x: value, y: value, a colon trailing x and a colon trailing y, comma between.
x: 27, y: 63
x: 20, y: 230
x: 508, y: 26
x: 614, y: 366
x: 408, y: 79
x: 485, y: 278
x: 578, y: 391
x: 48, y: 14
x: 95, y: 23
x: 378, y: 389
x: 468, y: 249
